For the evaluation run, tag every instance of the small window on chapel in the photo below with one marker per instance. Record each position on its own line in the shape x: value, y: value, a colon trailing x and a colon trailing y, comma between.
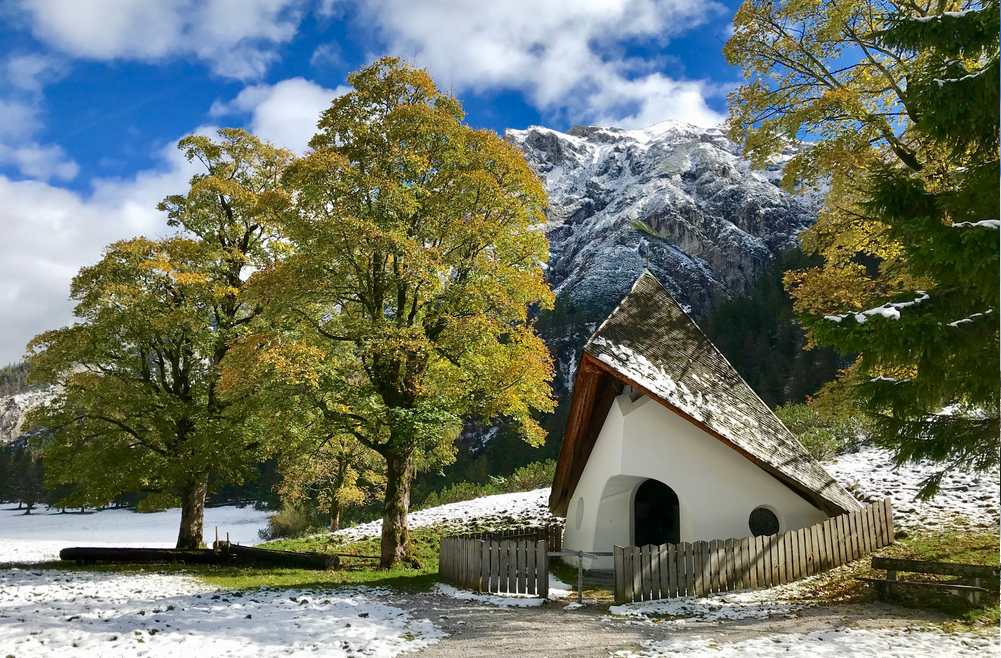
x: 763, y: 522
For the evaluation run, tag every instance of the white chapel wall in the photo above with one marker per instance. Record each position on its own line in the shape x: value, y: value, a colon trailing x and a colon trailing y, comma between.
x: 717, y: 487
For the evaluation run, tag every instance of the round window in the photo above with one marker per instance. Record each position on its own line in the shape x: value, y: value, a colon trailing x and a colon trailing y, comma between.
x: 763, y: 522
x: 580, y: 512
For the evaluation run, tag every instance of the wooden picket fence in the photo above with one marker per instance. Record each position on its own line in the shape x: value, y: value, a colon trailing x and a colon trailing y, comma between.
x: 551, y: 534
x: 723, y: 565
x: 503, y: 566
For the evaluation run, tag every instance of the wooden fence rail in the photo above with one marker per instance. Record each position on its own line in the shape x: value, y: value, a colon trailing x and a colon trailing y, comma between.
x: 644, y: 573
x: 505, y: 566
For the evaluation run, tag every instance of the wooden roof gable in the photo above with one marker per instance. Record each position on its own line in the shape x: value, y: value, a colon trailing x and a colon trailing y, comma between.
x: 650, y: 343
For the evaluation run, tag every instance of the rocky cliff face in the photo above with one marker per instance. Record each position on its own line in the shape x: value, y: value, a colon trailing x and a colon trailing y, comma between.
x: 675, y: 199
x: 13, y: 409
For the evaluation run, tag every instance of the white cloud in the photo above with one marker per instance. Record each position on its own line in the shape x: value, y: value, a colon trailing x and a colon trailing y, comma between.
x: 19, y: 118
x: 30, y: 72
x: 23, y: 78
x: 237, y: 38
x: 50, y: 232
x: 284, y: 113
x: 567, y: 57
x: 40, y: 161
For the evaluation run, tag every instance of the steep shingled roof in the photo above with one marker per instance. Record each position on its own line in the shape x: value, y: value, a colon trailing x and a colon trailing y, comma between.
x: 650, y: 343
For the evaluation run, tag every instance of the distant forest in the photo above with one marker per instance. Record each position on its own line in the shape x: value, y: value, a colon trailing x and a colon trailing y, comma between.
x: 13, y: 378
x: 760, y: 336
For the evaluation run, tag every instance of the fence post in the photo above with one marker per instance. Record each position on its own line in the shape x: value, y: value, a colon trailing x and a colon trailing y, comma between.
x: 580, y: 576
x: 618, y: 572
x: 542, y: 568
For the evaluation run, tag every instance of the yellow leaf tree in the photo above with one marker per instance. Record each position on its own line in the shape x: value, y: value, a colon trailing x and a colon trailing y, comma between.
x: 415, y: 252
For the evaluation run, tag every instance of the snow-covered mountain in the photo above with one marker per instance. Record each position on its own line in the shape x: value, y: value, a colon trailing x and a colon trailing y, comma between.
x: 675, y: 198
x: 13, y: 409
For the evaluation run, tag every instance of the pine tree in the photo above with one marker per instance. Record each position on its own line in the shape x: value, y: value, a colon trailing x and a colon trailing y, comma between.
x: 929, y: 364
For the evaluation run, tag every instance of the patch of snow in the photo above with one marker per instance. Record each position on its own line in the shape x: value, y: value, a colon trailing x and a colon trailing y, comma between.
x: 887, y: 643
x: 889, y: 310
x: 153, y: 615
x: 983, y: 223
x: 965, y: 499
x: 728, y: 606
x: 39, y: 536
x: 559, y: 589
x: 499, y: 600
x: 521, y: 508
x: 572, y: 606
x: 969, y: 319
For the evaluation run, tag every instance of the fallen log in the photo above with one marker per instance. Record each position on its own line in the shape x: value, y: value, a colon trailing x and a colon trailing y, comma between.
x: 90, y: 554
x: 222, y: 554
x: 289, y: 559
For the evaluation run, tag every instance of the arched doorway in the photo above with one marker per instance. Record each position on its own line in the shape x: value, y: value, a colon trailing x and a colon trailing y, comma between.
x: 656, y: 518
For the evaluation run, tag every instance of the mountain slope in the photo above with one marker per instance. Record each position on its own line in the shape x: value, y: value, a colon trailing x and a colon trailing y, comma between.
x: 675, y: 199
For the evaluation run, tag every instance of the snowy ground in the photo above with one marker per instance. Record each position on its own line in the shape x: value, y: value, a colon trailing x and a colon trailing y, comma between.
x: 51, y: 613
x: 965, y: 499
x: 557, y: 590
x: 833, y: 643
x: 39, y: 536
x: 522, y: 508
x: 731, y: 606
x: 870, y: 473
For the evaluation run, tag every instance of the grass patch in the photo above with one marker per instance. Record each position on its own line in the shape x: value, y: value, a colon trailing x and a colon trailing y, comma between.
x: 840, y: 585
x: 424, y: 543
x: 415, y: 577
x: 600, y: 594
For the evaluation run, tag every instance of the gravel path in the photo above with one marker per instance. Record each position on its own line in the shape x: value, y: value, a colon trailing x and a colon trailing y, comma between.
x: 847, y: 630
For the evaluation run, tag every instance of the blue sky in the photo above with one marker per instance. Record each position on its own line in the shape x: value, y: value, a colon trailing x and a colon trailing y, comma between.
x: 94, y: 94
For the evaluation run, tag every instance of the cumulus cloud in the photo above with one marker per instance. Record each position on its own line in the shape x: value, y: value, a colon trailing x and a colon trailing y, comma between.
x: 236, y: 38
x: 50, y: 232
x: 40, y: 161
x: 23, y: 77
x: 284, y: 113
x: 566, y: 57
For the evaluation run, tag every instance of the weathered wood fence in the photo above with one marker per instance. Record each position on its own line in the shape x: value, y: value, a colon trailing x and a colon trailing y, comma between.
x: 551, y: 534
x: 723, y: 565
x: 504, y: 566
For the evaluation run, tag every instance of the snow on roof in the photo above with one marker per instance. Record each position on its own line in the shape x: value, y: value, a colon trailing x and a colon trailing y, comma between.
x: 650, y: 340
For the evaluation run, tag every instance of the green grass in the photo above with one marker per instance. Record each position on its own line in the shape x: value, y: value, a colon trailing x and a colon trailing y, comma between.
x: 416, y: 577
x: 568, y: 574
x: 841, y: 585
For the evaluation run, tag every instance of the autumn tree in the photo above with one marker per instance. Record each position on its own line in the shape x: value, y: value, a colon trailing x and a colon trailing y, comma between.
x: 332, y: 473
x: 322, y: 467
x: 415, y: 252
x: 903, y: 99
x: 137, y: 407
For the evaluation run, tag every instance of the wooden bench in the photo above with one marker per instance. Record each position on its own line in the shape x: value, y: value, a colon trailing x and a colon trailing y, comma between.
x: 982, y: 579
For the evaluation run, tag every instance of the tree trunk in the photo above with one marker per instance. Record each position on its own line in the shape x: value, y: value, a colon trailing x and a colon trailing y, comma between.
x: 335, y: 516
x: 395, y: 537
x: 193, y: 513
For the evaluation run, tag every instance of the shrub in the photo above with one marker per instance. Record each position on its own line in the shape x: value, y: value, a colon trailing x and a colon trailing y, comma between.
x: 822, y: 435
x: 291, y: 521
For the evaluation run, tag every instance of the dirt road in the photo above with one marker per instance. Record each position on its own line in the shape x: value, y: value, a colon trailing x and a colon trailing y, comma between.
x: 551, y: 631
